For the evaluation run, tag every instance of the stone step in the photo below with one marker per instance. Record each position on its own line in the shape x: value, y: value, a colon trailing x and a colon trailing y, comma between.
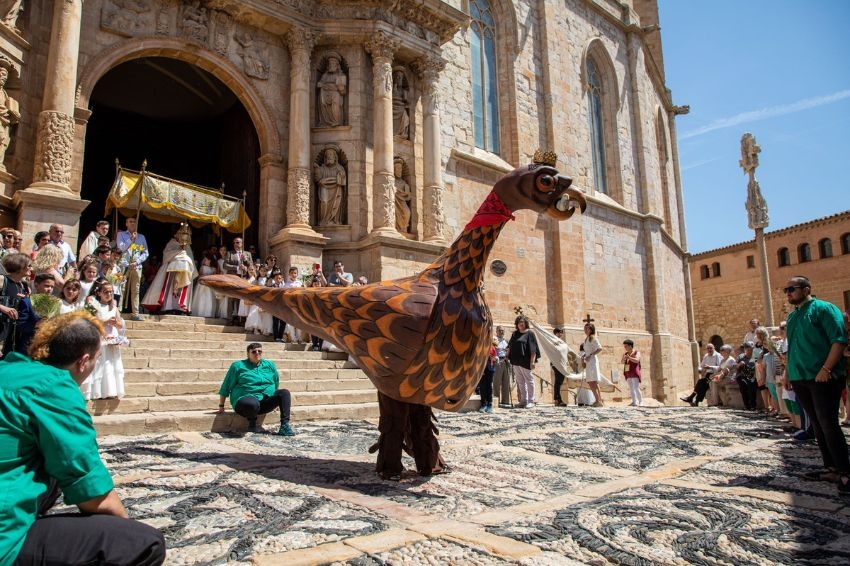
x: 214, y: 362
x: 165, y: 375
x: 200, y: 401
x: 149, y: 389
x: 276, y: 352
x: 208, y: 420
x: 201, y: 341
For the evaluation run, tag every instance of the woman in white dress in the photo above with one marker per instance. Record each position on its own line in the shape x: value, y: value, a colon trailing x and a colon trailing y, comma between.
x: 71, y: 300
x: 254, y: 320
x: 204, y: 302
x: 242, y: 312
x: 590, y: 355
x: 223, y: 301
x: 107, y: 379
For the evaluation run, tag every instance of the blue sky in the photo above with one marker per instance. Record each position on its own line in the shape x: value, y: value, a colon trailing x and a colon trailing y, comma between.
x: 779, y: 69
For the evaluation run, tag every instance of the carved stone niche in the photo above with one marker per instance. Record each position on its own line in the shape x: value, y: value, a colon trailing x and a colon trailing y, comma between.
x: 331, y: 91
x: 194, y: 21
x: 127, y: 18
x: 254, y: 54
x: 330, y: 177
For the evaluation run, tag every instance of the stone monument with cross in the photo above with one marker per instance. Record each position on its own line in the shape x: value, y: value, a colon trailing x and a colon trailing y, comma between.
x: 757, y: 217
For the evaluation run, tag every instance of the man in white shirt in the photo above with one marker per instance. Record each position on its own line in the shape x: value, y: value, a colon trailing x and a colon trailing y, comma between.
x: 751, y: 335
x: 502, y: 375
x: 708, y: 366
x: 56, y: 231
x: 90, y: 243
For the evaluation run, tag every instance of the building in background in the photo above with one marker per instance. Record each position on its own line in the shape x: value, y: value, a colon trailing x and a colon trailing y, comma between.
x: 370, y: 132
x: 726, y: 285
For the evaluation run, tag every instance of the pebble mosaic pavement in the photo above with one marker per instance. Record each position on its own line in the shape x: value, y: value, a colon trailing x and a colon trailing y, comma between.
x: 541, y: 486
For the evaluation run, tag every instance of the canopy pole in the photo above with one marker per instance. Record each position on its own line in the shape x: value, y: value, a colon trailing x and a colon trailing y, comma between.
x: 141, y: 187
x: 115, y: 208
x: 244, y: 196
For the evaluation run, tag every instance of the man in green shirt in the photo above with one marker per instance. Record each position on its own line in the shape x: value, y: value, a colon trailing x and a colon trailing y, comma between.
x: 252, y: 385
x: 47, y: 442
x: 816, y: 342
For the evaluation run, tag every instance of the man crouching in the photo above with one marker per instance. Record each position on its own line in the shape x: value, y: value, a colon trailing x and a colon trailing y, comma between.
x: 48, y: 442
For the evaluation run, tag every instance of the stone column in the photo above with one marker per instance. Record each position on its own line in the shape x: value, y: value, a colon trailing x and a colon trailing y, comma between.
x: 433, y: 214
x: 55, y: 135
x: 381, y: 47
x: 299, y: 186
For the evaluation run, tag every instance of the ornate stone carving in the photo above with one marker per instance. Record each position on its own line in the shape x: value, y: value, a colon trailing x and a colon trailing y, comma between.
x: 300, y: 42
x: 332, y: 87
x: 255, y: 56
x: 298, y: 196
x: 385, y: 213
x: 756, y: 205
x: 194, y: 21
x: 749, y: 153
x: 403, y: 196
x: 163, y: 17
x: 222, y: 27
x: 9, y: 12
x: 382, y: 46
x: 9, y: 116
x: 329, y: 174
x: 435, y: 220
x: 429, y: 69
x: 124, y: 17
x: 401, y: 112
x: 54, y: 148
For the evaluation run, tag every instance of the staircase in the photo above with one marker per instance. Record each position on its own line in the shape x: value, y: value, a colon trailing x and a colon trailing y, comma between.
x: 175, y: 364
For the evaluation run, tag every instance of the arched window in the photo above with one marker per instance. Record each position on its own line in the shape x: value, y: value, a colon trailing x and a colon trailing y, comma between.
x: 717, y: 341
x: 704, y: 272
x: 784, y: 257
x: 715, y: 269
x: 845, y: 243
x: 485, y: 102
x: 597, y: 140
x: 825, y: 248
x: 804, y: 253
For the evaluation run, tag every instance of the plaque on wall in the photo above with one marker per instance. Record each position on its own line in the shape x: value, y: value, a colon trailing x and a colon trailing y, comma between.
x: 498, y: 267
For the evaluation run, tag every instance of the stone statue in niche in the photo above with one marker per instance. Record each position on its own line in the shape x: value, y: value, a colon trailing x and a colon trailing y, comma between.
x: 403, y: 196
x: 332, y: 87
x: 254, y: 57
x: 9, y: 116
x: 330, y: 178
x: 123, y: 16
x: 401, y: 112
x: 9, y: 12
x: 221, y: 31
x: 195, y: 21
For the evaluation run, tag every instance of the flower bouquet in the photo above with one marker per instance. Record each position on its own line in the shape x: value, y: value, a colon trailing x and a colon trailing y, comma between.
x: 135, y: 254
x: 45, y: 306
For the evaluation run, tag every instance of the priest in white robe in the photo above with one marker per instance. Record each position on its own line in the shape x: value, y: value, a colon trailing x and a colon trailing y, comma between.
x: 171, y: 289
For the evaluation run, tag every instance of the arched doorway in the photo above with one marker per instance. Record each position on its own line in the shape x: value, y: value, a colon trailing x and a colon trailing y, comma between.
x: 185, y: 122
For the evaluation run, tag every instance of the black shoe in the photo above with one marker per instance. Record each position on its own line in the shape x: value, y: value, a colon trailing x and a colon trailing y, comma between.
x: 844, y: 485
x: 252, y: 426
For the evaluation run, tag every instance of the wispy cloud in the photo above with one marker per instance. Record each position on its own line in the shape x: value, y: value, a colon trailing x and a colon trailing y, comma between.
x: 696, y: 164
x: 764, y: 113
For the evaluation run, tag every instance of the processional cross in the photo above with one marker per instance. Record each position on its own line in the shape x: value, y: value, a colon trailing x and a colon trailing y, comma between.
x: 588, y: 320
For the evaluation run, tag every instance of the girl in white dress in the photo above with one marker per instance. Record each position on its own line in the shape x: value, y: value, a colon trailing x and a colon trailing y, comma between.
x: 71, y: 300
x: 107, y: 379
x: 88, y: 273
x: 242, y: 313
x: 254, y: 320
x: 223, y: 301
x: 591, y: 350
x: 204, y: 302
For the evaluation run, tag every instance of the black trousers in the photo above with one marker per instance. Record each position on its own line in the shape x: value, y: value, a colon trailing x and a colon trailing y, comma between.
x: 486, y: 387
x: 75, y: 538
x: 820, y: 401
x: 559, y: 382
x: 701, y: 388
x: 249, y: 406
x: 748, y: 392
x: 277, y: 328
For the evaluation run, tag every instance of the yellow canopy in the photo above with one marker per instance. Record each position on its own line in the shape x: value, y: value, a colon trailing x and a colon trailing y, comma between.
x: 167, y: 200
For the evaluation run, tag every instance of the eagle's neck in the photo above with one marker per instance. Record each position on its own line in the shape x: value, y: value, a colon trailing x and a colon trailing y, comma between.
x: 465, y: 260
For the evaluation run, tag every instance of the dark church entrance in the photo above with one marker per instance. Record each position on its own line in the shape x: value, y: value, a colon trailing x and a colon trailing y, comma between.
x: 187, y: 124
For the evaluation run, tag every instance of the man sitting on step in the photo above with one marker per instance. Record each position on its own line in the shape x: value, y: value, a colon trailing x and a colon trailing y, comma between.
x: 252, y: 385
x: 48, y: 443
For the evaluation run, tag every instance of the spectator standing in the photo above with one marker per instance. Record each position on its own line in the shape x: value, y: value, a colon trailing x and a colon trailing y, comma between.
x: 8, y: 243
x: 750, y: 336
x: 631, y: 372
x: 48, y: 261
x: 90, y: 243
x: 28, y: 318
x: 763, y: 356
x: 816, y: 343
x: 559, y: 377
x: 236, y: 262
x: 502, y: 375
x: 486, y: 383
x: 56, y: 233
x: 48, y: 442
x: 523, y: 353
x: 13, y: 289
x: 134, y: 253
x: 41, y: 239
x: 745, y: 375
x: 340, y: 277
x: 590, y: 354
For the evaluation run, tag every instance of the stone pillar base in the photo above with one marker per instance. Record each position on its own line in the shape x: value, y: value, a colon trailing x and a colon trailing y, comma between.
x: 39, y: 207
x: 298, y: 246
x: 383, y: 256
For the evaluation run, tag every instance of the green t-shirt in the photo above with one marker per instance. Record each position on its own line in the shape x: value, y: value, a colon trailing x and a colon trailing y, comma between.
x: 813, y: 327
x: 45, y: 431
x: 244, y: 378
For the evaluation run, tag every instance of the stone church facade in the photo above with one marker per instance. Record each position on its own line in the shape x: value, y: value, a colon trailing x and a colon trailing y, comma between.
x: 377, y: 128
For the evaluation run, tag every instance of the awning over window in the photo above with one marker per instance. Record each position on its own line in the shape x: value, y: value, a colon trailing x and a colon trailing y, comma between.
x: 167, y: 200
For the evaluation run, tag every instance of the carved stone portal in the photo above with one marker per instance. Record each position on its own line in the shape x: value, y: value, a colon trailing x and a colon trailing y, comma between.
x: 255, y: 56
x: 9, y: 116
x: 195, y: 22
x: 124, y: 17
